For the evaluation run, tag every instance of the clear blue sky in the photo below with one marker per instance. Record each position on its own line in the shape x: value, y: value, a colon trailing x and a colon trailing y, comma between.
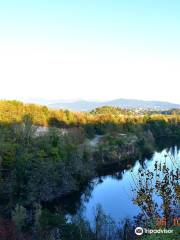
x: 92, y: 49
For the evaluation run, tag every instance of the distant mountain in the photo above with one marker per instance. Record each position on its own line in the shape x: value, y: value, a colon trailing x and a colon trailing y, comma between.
x: 122, y: 103
x: 77, y: 105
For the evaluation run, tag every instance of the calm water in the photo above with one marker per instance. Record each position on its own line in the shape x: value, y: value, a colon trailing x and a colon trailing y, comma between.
x: 114, y: 192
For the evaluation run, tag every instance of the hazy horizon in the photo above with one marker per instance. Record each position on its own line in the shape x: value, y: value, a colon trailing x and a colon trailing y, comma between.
x: 90, y: 50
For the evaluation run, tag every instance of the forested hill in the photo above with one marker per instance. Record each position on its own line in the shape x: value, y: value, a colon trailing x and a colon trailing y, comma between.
x: 14, y: 111
x: 121, y: 103
x: 99, y: 121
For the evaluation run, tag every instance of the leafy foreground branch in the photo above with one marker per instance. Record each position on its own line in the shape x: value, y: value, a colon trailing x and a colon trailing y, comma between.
x: 157, y: 193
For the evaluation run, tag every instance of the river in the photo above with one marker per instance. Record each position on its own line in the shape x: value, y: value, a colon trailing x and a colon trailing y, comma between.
x: 113, y: 192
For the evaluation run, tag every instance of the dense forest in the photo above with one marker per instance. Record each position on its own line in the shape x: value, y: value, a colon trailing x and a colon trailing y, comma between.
x: 98, y: 121
x: 37, y: 167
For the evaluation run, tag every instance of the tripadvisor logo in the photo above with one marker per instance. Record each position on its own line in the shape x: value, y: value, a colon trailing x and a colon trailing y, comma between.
x: 139, y: 231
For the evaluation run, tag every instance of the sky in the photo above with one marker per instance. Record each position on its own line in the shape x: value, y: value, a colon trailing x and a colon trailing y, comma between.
x: 90, y: 49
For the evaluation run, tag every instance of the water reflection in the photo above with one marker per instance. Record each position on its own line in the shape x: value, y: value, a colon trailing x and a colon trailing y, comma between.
x: 114, y: 193
x: 112, y: 188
